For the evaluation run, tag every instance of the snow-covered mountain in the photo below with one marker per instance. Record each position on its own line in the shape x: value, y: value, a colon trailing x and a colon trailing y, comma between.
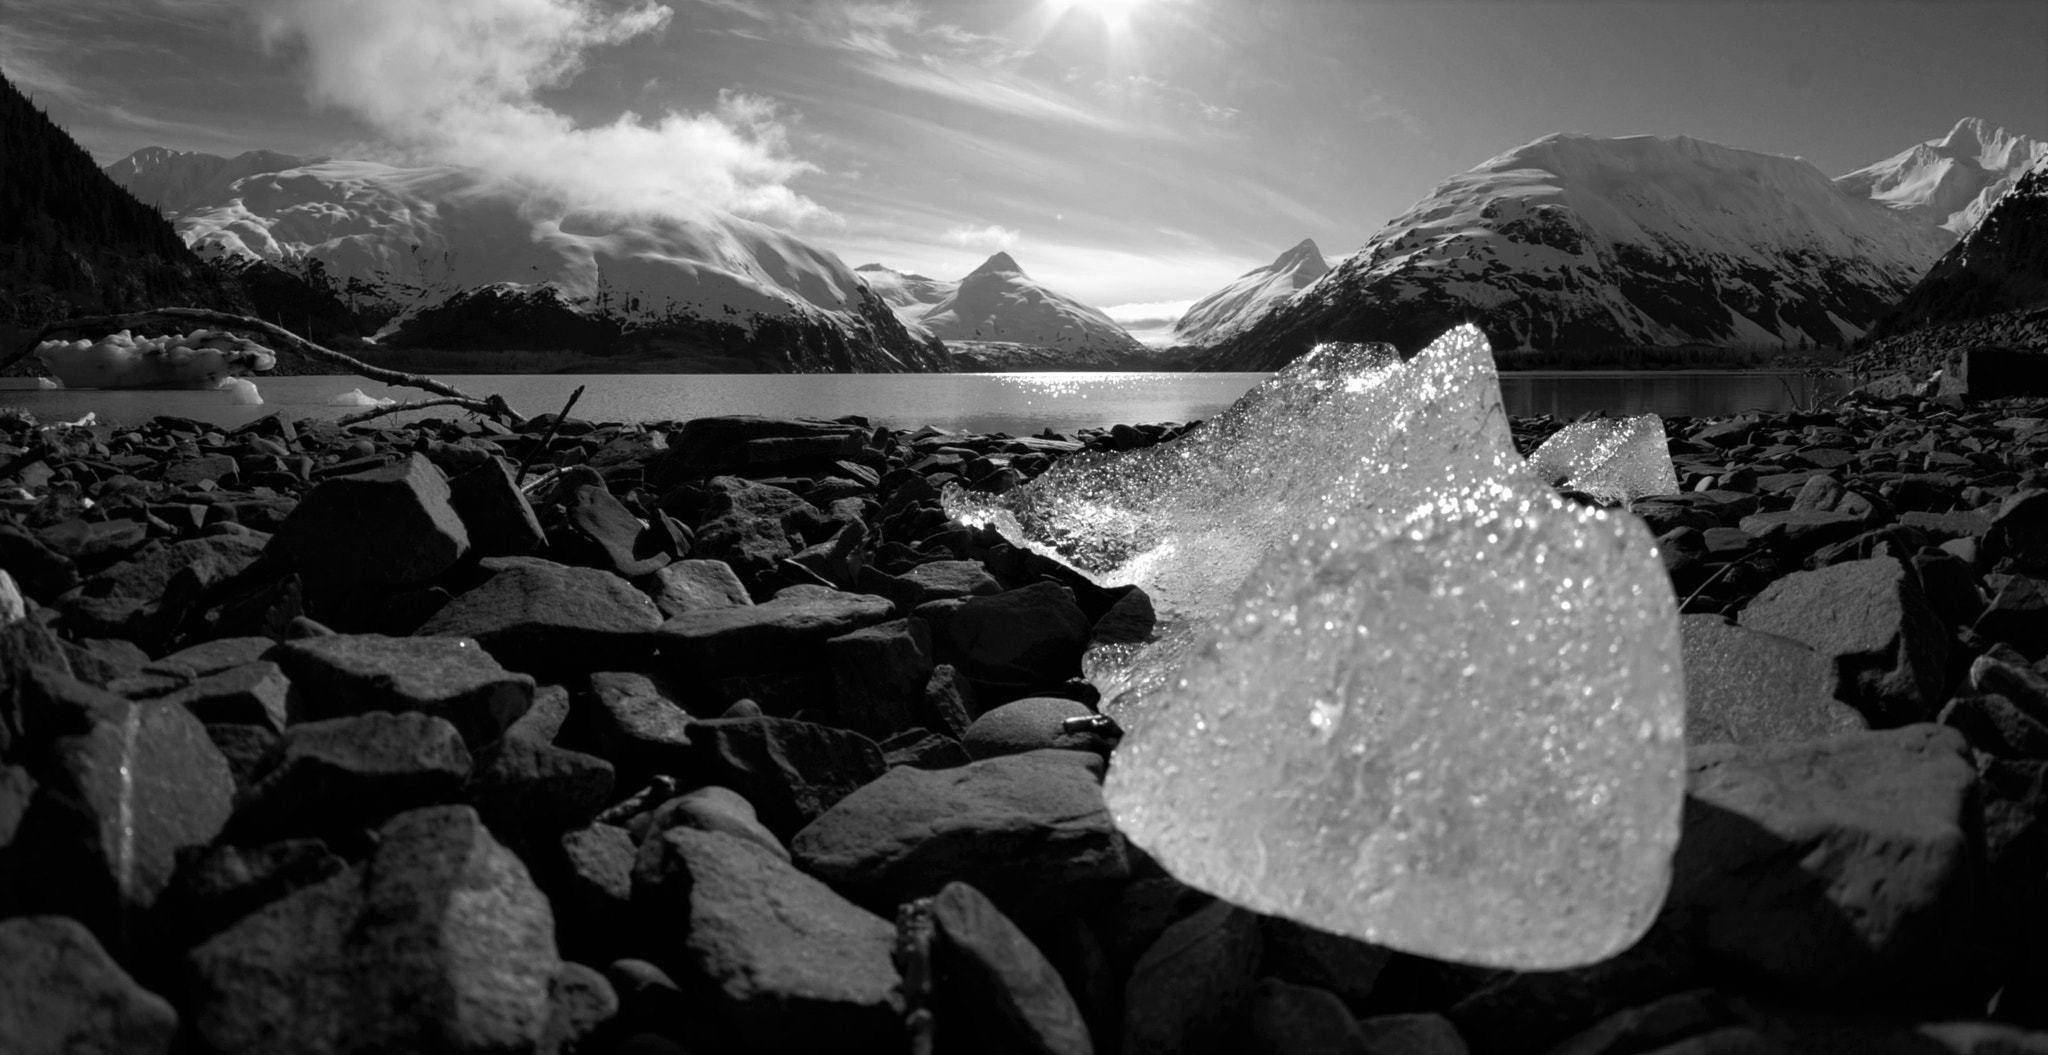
x: 1953, y: 181
x: 999, y: 308
x: 1226, y: 312
x: 2000, y: 265
x: 459, y: 258
x: 1576, y: 241
x: 176, y: 180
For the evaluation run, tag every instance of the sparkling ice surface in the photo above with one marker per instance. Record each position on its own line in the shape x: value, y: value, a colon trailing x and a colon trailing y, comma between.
x: 1612, y: 460
x: 1402, y: 691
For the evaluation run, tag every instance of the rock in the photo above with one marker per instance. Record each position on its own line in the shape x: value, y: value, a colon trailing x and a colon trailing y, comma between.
x: 118, y: 800
x: 1655, y: 1024
x: 542, y: 619
x: 1030, y: 831
x: 210, y: 657
x: 943, y: 579
x: 879, y: 675
x: 630, y: 722
x: 1818, y: 494
x: 392, y: 526
x: 755, y: 445
x: 61, y: 994
x: 590, y: 884
x: 1517, y: 1011
x: 226, y: 882
x: 1746, y: 686
x: 1799, y: 532
x: 1035, y: 723
x: 581, y: 1002
x: 2005, y: 672
x: 589, y: 527
x: 438, y: 943
x: 791, y: 771
x: 498, y: 518
x: 252, y: 694
x: 2018, y: 538
x: 746, y: 526
x: 2018, y: 616
x: 793, y: 966
x: 1299, y: 1020
x: 1869, y: 620
x: 1412, y: 1034
x: 346, y: 773
x: 1190, y: 989
x: 924, y: 750
x: 789, y: 630
x: 1032, y: 635
x: 1995, y: 725
x: 948, y: 702
x: 993, y: 990
x: 448, y: 677
x: 523, y: 787
x: 1129, y: 621
x: 691, y: 584
x: 716, y: 809
x: 1835, y: 866
x: 126, y: 599
x: 1302, y: 955
x: 543, y: 721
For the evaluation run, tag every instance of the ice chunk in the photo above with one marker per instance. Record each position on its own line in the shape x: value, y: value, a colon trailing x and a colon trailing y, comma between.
x: 242, y: 391
x: 200, y: 359
x: 356, y: 397
x: 1434, y: 706
x: 1612, y: 460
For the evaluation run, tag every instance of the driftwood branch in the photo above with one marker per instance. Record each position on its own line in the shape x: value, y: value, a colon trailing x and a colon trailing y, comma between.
x: 534, y: 452
x: 420, y: 404
x: 280, y: 338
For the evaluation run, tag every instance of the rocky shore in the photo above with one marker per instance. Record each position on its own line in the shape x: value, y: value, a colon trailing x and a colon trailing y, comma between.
x: 719, y: 736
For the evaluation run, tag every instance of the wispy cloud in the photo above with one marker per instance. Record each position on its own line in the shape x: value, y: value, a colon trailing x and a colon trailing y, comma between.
x: 1140, y: 90
x: 1375, y: 106
x: 991, y: 237
x: 457, y: 81
x: 993, y: 90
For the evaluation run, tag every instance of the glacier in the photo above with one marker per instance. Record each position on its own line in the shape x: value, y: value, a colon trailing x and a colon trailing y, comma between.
x: 200, y: 359
x: 1401, y: 690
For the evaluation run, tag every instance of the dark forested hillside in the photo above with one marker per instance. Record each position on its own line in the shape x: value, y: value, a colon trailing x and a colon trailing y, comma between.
x: 72, y: 242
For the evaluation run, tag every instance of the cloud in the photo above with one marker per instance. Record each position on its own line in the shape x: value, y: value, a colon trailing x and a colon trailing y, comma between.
x: 1137, y: 89
x: 1375, y: 106
x: 991, y: 237
x: 990, y: 90
x: 1149, y: 312
x: 455, y: 81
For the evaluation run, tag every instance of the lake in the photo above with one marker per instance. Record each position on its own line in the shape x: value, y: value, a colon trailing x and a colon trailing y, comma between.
x: 1012, y: 403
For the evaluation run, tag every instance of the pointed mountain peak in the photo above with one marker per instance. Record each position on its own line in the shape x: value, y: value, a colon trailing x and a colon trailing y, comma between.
x: 1972, y: 131
x: 876, y: 267
x: 996, y: 265
x: 1303, y: 253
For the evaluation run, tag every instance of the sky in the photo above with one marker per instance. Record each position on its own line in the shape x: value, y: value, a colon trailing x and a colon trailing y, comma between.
x: 1136, y: 154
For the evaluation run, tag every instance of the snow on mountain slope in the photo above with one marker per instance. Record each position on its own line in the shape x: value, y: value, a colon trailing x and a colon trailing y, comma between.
x: 176, y: 180
x: 1226, y: 312
x: 432, y: 243
x: 1575, y: 241
x: 911, y: 294
x: 1952, y: 181
x: 1999, y: 265
x: 997, y: 302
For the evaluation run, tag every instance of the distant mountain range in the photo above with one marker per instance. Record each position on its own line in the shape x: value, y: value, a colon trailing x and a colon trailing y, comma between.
x: 1999, y: 265
x: 1000, y: 317
x: 1951, y: 181
x: 457, y: 258
x: 1584, y: 242
x: 1225, y: 313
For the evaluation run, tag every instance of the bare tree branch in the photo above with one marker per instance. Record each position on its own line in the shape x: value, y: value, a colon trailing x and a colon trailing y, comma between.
x: 494, y: 406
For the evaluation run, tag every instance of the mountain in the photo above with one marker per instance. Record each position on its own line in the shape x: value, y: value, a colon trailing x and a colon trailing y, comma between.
x: 998, y: 302
x: 1953, y: 181
x: 1579, y: 242
x: 1999, y: 265
x: 74, y: 243
x: 1226, y: 312
x: 909, y: 293
x: 454, y: 257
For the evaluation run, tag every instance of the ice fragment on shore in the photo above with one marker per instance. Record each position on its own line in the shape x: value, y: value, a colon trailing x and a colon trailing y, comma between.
x: 356, y: 397
x: 1612, y: 460
x: 200, y: 359
x: 1411, y: 695
x: 242, y: 391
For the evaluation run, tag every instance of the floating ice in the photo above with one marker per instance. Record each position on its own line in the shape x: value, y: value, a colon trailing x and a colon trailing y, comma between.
x: 1612, y: 460
x: 356, y: 397
x: 200, y: 359
x: 242, y: 391
x: 48, y: 382
x: 1404, y: 691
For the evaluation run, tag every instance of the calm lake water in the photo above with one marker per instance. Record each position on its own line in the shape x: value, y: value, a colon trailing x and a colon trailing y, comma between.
x: 1012, y: 403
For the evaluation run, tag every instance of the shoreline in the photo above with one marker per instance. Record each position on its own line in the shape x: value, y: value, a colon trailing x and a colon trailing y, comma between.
x: 726, y: 664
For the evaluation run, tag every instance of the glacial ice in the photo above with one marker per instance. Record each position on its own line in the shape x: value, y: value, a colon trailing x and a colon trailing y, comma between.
x: 200, y: 359
x: 1401, y: 691
x: 242, y: 390
x: 1612, y: 460
x: 356, y: 397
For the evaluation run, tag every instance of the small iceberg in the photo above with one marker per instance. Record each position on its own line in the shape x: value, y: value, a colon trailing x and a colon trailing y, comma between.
x: 1402, y: 690
x: 356, y: 397
x: 242, y: 391
x: 48, y: 382
x: 200, y: 359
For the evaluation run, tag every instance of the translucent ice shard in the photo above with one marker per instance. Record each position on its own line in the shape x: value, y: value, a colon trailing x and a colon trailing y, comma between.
x: 1406, y: 693
x: 1612, y: 460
